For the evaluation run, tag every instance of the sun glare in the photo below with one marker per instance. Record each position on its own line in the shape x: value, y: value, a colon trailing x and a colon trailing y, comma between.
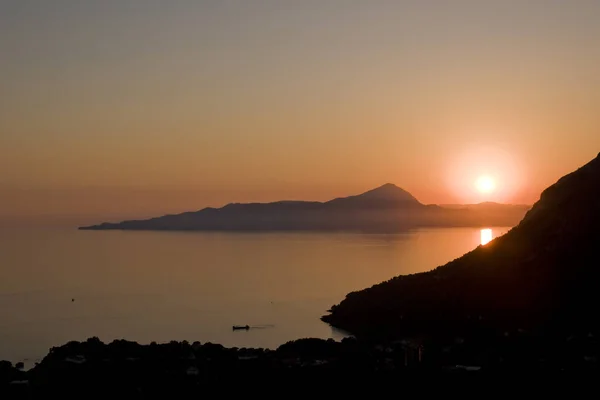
x: 486, y: 236
x: 485, y: 185
x: 484, y: 173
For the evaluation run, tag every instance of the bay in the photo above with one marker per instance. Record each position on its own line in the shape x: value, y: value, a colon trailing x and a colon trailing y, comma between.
x: 61, y: 284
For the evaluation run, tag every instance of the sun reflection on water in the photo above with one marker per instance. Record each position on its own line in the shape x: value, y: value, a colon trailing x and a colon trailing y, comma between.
x: 486, y: 236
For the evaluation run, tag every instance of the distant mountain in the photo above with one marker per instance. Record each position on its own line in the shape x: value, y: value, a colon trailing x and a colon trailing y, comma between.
x: 383, y: 209
x: 488, y: 206
x: 490, y: 211
x: 543, y: 276
x: 385, y: 196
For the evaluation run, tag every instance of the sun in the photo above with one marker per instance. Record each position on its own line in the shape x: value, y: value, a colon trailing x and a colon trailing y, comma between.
x: 485, y: 185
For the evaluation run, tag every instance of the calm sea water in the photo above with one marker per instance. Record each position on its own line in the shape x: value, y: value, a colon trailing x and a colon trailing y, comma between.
x: 162, y: 286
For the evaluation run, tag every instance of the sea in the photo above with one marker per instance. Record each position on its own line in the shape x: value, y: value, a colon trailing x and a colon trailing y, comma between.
x: 61, y: 284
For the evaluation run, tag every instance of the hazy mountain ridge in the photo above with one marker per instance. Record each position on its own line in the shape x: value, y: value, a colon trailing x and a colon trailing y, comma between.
x: 386, y: 208
x: 490, y: 205
x: 542, y: 274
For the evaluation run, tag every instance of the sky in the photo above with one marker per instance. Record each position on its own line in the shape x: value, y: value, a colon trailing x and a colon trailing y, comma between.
x: 128, y: 108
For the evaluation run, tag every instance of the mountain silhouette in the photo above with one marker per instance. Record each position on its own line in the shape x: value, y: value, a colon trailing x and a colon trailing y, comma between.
x: 387, y: 208
x: 385, y: 196
x: 543, y: 275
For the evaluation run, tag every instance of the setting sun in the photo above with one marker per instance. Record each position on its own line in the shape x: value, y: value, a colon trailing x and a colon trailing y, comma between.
x: 485, y: 173
x: 485, y: 184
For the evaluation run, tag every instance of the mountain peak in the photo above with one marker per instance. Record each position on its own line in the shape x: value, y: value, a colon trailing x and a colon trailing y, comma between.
x: 382, y: 197
x: 388, y: 185
x: 389, y: 191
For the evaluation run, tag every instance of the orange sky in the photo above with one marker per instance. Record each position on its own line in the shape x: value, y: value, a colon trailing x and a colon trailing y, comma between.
x: 139, y: 108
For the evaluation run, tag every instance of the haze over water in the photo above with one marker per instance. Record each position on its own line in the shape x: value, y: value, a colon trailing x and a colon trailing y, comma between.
x: 157, y: 286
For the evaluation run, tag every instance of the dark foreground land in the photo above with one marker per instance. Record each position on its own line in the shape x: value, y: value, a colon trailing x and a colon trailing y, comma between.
x: 123, y: 369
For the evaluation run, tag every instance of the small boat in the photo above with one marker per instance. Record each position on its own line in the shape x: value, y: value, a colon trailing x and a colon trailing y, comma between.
x: 240, y: 327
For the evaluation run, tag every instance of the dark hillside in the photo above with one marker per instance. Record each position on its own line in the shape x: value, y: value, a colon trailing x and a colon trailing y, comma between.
x: 543, y: 273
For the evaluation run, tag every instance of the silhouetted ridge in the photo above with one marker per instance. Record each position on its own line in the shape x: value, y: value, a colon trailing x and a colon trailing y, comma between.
x: 391, y: 192
x: 385, y: 196
x: 387, y: 208
x: 543, y: 273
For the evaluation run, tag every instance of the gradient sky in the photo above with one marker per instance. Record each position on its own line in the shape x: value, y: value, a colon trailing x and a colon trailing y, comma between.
x: 141, y: 107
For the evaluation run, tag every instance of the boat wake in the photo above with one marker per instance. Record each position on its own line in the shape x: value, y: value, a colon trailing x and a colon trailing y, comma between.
x: 261, y: 326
